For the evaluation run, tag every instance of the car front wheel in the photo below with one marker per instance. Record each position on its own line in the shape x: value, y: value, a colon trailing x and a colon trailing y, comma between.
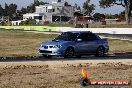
x: 69, y: 53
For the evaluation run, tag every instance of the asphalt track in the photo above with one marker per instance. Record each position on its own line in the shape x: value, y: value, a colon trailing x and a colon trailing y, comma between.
x: 115, y: 56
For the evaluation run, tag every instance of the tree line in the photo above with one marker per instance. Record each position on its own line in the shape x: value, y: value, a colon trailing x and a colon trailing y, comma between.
x: 127, y: 4
x: 12, y: 11
x: 89, y: 8
x: 98, y: 16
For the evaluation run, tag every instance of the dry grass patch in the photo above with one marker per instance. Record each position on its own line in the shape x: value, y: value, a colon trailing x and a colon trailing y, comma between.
x: 117, y: 45
x: 18, y: 43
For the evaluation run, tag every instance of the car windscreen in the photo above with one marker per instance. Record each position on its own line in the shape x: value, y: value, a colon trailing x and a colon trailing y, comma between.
x: 67, y: 36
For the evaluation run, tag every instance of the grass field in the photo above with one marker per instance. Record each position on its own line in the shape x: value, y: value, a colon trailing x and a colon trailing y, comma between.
x: 19, y: 43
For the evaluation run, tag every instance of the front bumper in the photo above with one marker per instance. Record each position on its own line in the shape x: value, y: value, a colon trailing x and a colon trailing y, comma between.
x: 52, y: 51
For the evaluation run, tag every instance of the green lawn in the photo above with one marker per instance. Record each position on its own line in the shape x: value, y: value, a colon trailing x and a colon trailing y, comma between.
x: 38, y: 28
x: 19, y: 43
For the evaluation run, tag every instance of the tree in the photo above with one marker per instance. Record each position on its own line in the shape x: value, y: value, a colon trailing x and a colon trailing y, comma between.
x: 9, y: 11
x: 127, y: 4
x: 66, y: 4
x: 23, y: 10
x: 98, y: 16
x: 76, y: 7
x: 89, y: 8
x: 109, y: 16
x: 31, y: 8
x: 116, y: 16
x: 122, y: 14
x: 6, y: 10
x: 1, y: 11
x: 12, y: 10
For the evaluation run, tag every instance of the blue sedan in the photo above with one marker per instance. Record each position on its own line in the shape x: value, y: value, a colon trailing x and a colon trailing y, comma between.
x: 73, y: 43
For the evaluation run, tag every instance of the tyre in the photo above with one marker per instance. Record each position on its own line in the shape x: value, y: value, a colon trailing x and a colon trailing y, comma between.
x: 47, y: 56
x: 100, y: 52
x: 69, y: 53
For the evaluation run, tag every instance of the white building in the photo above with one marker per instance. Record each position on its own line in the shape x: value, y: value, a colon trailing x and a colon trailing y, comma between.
x: 18, y: 22
x: 37, y: 16
x: 56, y: 11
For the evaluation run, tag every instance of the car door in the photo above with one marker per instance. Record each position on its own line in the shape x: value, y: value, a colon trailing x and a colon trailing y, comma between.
x: 82, y: 45
x: 88, y: 43
x: 92, y: 43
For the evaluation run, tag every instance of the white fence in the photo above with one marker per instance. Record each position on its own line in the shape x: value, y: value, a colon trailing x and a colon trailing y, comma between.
x: 97, y: 30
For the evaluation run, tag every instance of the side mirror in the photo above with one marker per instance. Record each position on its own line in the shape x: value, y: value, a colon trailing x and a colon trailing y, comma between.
x: 79, y: 40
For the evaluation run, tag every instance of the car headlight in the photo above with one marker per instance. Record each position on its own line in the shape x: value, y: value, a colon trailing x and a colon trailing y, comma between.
x: 57, y: 46
x: 41, y: 45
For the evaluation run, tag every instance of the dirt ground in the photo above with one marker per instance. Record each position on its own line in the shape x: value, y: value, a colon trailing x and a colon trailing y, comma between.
x: 62, y: 73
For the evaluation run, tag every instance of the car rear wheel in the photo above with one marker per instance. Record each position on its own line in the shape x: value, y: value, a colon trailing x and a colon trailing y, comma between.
x: 47, y: 56
x: 100, y: 52
x: 69, y: 53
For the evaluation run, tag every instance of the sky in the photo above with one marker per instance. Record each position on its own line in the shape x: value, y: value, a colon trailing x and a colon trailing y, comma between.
x: 113, y: 10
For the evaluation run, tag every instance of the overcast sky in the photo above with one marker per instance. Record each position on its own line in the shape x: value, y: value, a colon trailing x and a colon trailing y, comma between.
x: 23, y: 3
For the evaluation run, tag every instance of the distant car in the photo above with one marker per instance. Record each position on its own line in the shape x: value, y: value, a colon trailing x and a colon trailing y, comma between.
x: 70, y: 44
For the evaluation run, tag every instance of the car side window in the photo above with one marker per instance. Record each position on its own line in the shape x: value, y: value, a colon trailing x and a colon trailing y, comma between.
x: 83, y: 36
x: 91, y: 37
x: 87, y: 37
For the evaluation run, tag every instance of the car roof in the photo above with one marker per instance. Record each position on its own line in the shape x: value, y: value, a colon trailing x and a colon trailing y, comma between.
x: 80, y: 31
